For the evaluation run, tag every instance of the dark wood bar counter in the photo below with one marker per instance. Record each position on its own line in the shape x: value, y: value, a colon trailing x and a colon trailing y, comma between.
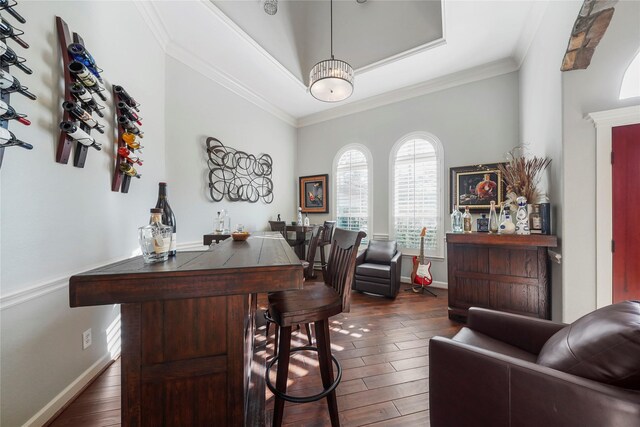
x: 188, y: 326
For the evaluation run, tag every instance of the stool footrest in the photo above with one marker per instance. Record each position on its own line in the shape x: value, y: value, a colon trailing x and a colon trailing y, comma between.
x: 304, y: 399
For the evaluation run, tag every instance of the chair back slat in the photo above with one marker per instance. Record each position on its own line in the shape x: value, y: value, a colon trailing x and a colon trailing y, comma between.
x: 313, y: 245
x: 327, y: 231
x: 279, y: 226
x: 342, y: 261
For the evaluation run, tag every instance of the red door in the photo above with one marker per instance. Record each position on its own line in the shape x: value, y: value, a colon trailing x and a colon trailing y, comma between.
x: 626, y: 212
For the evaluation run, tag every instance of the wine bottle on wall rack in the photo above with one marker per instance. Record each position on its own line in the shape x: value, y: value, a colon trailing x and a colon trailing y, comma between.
x: 131, y: 141
x: 129, y: 170
x: 129, y: 126
x: 5, y: 5
x: 9, y: 57
x: 79, y: 135
x: 126, y: 97
x: 8, y: 83
x: 87, y: 78
x: 79, y: 113
x: 125, y: 154
x: 129, y: 113
x: 8, y: 139
x: 9, y: 31
x: 7, y: 112
x: 83, y: 95
x: 81, y: 54
x: 168, y: 217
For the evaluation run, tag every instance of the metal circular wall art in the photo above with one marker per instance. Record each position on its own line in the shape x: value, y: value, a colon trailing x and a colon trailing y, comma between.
x: 239, y: 176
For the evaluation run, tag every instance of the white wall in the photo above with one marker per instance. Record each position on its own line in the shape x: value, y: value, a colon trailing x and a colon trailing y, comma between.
x: 586, y: 91
x: 58, y: 220
x: 476, y: 123
x: 541, y: 114
x: 196, y: 109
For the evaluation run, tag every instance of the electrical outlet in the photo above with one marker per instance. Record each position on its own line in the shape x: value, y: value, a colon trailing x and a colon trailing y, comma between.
x: 86, y: 339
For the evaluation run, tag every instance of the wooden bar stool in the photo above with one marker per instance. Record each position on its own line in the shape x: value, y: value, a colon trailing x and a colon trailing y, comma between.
x: 307, y: 267
x: 327, y: 234
x: 314, y: 303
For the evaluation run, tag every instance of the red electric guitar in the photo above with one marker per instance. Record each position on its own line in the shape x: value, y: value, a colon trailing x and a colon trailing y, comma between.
x: 421, y: 273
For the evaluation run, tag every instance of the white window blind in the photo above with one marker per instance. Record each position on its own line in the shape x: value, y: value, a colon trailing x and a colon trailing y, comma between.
x: 352, y: 191
x: 416, y: 203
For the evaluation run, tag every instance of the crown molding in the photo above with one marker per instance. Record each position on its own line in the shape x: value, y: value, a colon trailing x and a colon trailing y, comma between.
x: 193, y: 61
x: 152, y: 19
x: 470, y: 75
x: 617, y: 117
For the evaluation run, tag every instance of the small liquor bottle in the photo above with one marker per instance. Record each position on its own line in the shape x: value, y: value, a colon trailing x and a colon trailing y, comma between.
x: 535, y: 220
x: 306, y: 220
x: 482, y: 224
x: 466, y: 220
x: 456, y: 220
x: 155, y: 238
x: 507, y: 226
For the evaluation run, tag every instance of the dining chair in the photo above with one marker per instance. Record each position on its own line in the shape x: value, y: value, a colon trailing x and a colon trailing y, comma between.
x: 314, y: 303
x: 327, y: 234
x: 281, y: 227
x: 307, y: 268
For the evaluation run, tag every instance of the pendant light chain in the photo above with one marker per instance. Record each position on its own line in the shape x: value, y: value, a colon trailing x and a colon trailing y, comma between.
x: 331, y: 29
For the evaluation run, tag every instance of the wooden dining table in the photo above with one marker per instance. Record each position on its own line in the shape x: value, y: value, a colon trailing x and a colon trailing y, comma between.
x: 188, y: 351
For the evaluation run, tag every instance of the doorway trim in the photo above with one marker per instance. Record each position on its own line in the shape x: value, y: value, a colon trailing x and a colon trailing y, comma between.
x: 604, y: 121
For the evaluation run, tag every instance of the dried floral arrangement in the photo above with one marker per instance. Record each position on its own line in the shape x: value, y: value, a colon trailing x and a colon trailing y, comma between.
x: 522, y: 173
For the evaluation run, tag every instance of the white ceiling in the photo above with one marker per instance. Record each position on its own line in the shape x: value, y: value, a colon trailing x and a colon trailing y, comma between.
x: 267, y: 61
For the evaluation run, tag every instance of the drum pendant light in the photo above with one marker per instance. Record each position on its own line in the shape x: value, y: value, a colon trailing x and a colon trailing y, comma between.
x: 331, y: 80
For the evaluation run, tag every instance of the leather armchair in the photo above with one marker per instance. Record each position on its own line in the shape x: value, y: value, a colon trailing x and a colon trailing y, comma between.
x: 490, y: 374
x: 378, y: 269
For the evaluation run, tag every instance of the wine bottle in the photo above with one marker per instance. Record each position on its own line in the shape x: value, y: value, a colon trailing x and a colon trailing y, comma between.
x: 168, y: 217
x: 8, y: 83
x: 84, y: 96
x: 8, y: 139
x: 79, y: 113
x: 131, y: 141
x: 126, y: 97
x: 124, y: 153
x: 87, y: 78
x: 7, y: 112
x: 127, y: 169
x: 129, y: 126
x: 81, y: 54
x: 9, y: 57
x: 79, y: 135
x: 8, y: 31
x: 129, y: 113
x: 4, y: 5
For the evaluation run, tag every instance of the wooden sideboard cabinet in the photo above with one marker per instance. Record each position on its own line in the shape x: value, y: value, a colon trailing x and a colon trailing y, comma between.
x: 500, y: 272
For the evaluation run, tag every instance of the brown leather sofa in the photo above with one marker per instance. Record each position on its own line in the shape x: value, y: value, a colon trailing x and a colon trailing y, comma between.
x: 508, y: 370
x: 378, y: 269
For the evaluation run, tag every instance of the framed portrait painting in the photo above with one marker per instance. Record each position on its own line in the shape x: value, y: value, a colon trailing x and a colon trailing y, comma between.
x: 477, y: 186
x: 314, y: 194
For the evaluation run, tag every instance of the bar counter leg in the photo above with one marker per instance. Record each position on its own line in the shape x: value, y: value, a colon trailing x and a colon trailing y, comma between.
x: 131, y: 350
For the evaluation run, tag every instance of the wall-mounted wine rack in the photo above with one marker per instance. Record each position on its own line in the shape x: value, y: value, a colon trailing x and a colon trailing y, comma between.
x: 82, y: 82
x: 129, y: 135
x: 8, y: 82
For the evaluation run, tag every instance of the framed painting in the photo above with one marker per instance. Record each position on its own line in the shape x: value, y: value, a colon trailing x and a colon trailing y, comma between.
x: 314, y: 193
x: 476, y: 186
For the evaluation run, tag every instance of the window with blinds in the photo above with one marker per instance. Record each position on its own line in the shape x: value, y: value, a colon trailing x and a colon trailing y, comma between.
x: 415, y: 195
x: 352, y: 191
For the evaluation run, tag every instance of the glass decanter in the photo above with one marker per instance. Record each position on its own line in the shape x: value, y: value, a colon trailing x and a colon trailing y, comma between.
x: 155, y: 238
x: 456, y: 220
x: 493, y: 218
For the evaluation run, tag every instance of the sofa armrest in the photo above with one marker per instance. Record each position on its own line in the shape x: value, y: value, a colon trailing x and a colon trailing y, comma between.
x: 360, y: 257
x: 527, y: 333
x: 396, y: 269
x: 468, y: 384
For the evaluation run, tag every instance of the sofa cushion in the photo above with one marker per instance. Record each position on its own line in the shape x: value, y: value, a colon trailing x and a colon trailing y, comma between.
x: 603, y: 346
x: 375, y: 270
x: 380, y: 251
x: 480, y: 340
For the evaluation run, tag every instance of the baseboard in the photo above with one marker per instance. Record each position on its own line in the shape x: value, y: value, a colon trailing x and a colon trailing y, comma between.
x: 51, y: 409
x: 435, y: 284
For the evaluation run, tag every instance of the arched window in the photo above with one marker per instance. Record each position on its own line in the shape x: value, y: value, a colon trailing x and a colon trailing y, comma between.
x: 416, y: 193
x: 630, y: 87
x: 352, y: 188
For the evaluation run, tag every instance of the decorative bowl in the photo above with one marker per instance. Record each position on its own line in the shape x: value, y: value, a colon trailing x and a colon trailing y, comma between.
x: 240, y: 236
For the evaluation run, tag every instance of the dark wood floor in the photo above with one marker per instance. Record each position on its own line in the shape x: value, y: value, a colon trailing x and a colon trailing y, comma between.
x: 382, y: 346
